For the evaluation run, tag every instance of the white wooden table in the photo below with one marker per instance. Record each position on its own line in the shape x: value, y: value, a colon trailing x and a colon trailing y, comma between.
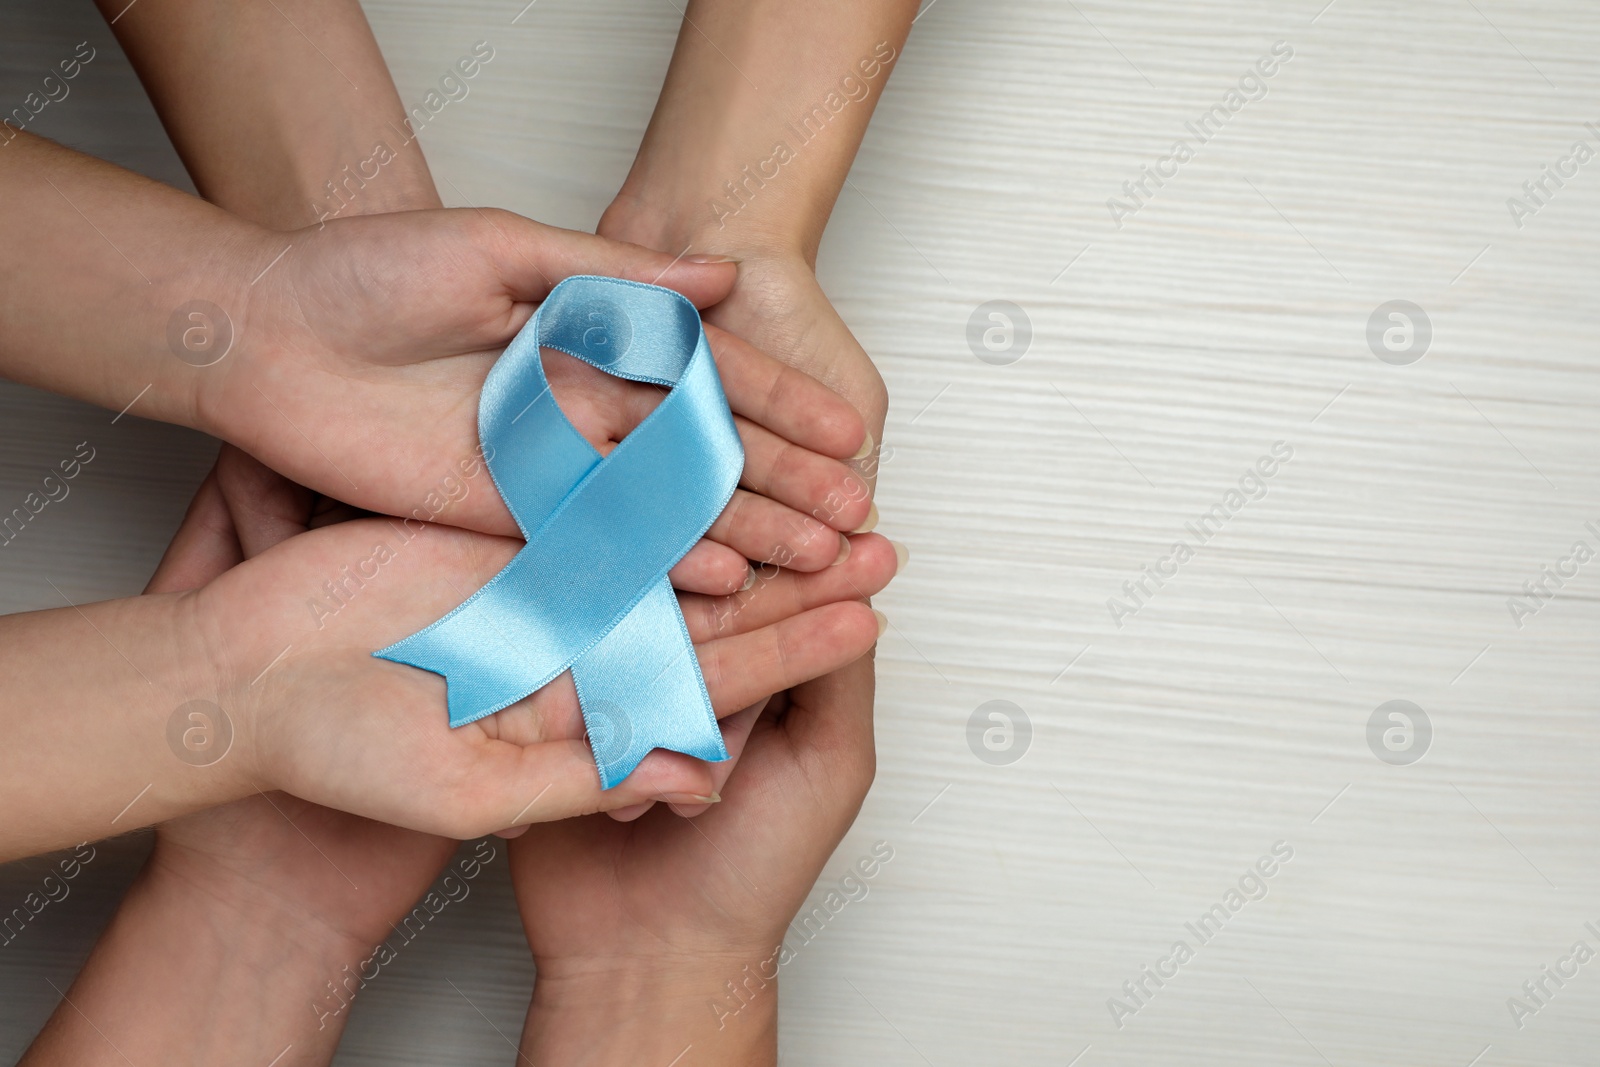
x: 1230, y: 711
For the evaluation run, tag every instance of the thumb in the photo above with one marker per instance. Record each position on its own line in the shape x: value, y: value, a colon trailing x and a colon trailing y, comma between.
x: 532, y: 257
x: 204, y: 546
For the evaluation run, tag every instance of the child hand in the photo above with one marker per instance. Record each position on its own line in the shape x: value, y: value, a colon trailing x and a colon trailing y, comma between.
x: 243, y: 508
x: 270, y: 901
x: 332, y: 724
x: 314, y: 713
x: 340, y: 880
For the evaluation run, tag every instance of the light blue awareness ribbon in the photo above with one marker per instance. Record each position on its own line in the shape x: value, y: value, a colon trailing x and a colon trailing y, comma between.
x: 589, y: 590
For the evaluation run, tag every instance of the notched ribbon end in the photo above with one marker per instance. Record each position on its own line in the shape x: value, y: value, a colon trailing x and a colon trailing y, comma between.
x: 465, y: 703
x: 616, y: 756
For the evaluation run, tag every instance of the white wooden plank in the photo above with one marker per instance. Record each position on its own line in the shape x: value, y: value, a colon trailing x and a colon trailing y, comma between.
x: 1168, y: 355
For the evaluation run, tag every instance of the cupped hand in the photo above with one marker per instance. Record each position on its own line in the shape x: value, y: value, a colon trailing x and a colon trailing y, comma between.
x: 775, y: 304
x: 778, y: 306
x: 320, y: 717
x: 666, y: 910
x: 331, y: 877
x: 354, y: 874
x: 360, y: 355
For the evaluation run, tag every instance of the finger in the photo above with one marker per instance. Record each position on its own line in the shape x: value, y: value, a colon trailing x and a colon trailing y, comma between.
x: 778, y: 594
x: 766, y: 531
x: 532, y: 258
x: 824, y: 725
x: 786, y: 401
x: 711, y: 569
x: 745, y: 668
x: 735, y: 732
x: 738, y: 670
x: 204, y: 546
x: 508, y: 785
x: 811, y: 484
x: 830, y: 719
x: 267, y: 507
x: 631, y: 812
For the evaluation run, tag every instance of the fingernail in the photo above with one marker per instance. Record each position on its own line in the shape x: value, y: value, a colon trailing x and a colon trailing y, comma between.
x: 844, y: 551
x: 749, y: 579
x: 703, y: 257
x: 866, y: 448
x: 883, y: 621
x: 902, y: 556
x: 870, y: 523
x: 691, y: 798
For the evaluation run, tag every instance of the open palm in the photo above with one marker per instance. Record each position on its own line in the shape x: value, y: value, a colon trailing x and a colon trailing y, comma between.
x: 273, y: 853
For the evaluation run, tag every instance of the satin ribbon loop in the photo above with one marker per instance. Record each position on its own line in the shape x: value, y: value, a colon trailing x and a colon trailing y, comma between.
x: 589, y: 590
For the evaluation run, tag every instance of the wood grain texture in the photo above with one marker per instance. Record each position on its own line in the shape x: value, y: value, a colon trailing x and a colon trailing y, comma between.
x: 1230, y: 712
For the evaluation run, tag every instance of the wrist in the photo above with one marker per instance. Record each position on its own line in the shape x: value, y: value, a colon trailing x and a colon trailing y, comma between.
x: 672, y: 213
x: 332, y: 174
x: 217, y: 738
x: 598, y: 1014
x: 182, y: 329
x: 330, y: 180
x: 206, y: 309
x: 125, y: 705
x: 727, y: 167
x: 260, y: 927
x: 180, y: 969
x: 112, y: 329
x: 297, y: 969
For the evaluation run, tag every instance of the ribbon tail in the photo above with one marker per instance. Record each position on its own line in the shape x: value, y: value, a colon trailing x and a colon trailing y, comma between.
x: 476, y: 649
x: 640, y: 689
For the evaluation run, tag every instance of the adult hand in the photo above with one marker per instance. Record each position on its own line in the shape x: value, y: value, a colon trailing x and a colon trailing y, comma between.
x: 347, y: 356
x: 753, y: 172
x: 637, y: 927
x: 777, y: 306
x: 361, y: 356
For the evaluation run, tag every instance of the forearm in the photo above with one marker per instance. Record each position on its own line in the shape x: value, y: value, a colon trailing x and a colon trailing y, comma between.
x: 654, y: 1016
x: 99, y: 263
x: 87, y: 712
x: 184, y: 975
x: 762, y: 112
x: 283, y: 113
